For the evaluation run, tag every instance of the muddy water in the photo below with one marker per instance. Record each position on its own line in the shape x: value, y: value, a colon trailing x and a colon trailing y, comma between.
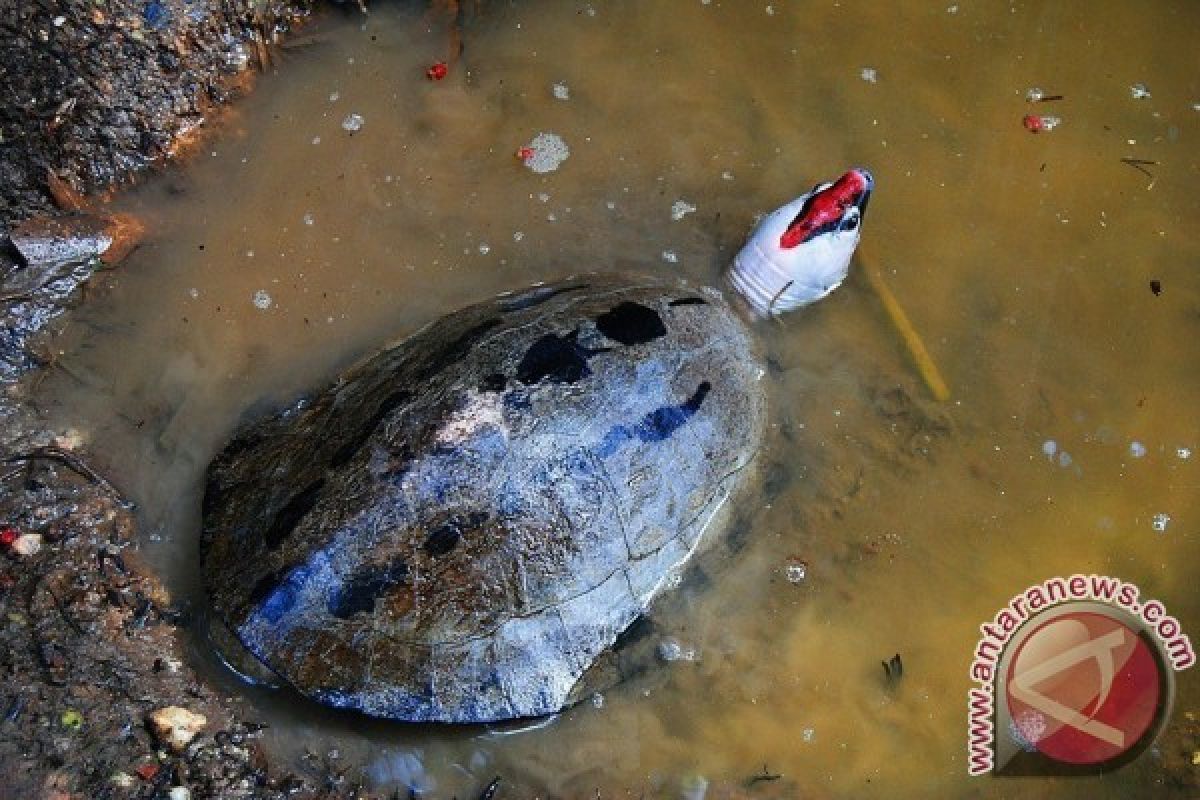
x: 1025, y: 260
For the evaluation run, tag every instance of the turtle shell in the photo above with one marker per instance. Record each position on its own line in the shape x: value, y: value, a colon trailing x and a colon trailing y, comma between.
x: 457, y: 527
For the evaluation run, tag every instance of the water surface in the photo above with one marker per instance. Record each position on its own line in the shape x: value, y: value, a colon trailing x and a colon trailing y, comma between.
x: 1025, y: 260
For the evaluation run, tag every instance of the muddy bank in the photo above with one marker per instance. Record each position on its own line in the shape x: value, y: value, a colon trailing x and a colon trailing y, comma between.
x: 91, y: 94
x: 98, y: 700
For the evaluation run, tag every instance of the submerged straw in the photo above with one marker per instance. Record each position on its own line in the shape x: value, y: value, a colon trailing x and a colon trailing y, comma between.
x: 912, y: 340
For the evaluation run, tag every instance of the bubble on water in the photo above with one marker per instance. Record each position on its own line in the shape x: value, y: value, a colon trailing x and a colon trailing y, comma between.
x: 404, y: 769
x: 1139, y: 91
x: 869, y: 74
x: 333, y: 97
x: 1049, y: 448
x: 1160, y: 521
x: 671, y: 649
x: 1064, y: 459
x: 610, y: 205
x: 726, y: 175
x: 353, y: 122
x: 680, y: 209
x: 1034, y: 94
x: 694, y: 787
x: 670, y: 256
x: 796, y: 573
x: 316, y: 140
x: 561, y: 92
x: 549, y: 150
x: 484, y: 248
x: 770, y: 11
x: 1183, y: 453
x: 193, y: 293
x: 518, y: 235
x: 1137, y: 449
x: 543, y: 197
x: 262, y: 300
x: 808, y: 734
x: 309, y: 219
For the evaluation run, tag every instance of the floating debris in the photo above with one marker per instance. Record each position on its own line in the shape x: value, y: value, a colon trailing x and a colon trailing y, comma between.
x: 869, y: 74
x: 893, y: 669
x: 490, y: 791
x: 1139, y: 91
x: 796, y: 573
x: 765, y: 775
x: 1035, y: 94
x: 560, y: 91
x: 1140, y: 165
x: 1137, y: 449
x: 670, y: 256
x: 437, y: 71
x: 1039, y: 123
x: 1160, y: 521
x: 1156, y: 287
x: 1183, y: 453
x: 353, y: 122
x: 262, y: 300
x: 309, y: 219
x: 680, y: 209
x: 545, y: 153
x: 1049, y: 448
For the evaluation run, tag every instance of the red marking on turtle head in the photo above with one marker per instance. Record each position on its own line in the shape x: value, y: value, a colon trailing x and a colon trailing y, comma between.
x: 826, y: 207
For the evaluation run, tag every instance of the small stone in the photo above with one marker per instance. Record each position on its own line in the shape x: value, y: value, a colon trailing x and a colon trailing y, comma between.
x: 180, y: 793
x: 27, y: 544
x: 122, y: 780
x: 175, y: 726
x: 262, y: 300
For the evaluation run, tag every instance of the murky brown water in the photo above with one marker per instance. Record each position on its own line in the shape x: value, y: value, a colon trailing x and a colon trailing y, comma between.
x: 1026, y: 261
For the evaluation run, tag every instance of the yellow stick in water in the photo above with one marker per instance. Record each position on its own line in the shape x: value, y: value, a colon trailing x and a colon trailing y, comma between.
x: 912, y: 340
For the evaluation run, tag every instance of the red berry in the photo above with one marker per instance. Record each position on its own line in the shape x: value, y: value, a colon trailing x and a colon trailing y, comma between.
x: 147, y: 771
x: 8, y: 535
x: 1033, y: 123
x: 437, y: 71
x: 525, y: 153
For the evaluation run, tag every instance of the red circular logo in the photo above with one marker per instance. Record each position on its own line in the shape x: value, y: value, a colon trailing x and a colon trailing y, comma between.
x: 1083, y: 688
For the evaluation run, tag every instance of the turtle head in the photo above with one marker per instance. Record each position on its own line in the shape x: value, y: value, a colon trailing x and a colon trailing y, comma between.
x: 801, y: 252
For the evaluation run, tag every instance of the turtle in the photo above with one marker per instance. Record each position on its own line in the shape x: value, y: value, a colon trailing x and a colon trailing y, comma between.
x: 458, y: 526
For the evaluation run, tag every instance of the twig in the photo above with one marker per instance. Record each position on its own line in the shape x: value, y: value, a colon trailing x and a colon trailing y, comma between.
x: 912, y: 340
x: 1140, y: 165
x: 765, y: 775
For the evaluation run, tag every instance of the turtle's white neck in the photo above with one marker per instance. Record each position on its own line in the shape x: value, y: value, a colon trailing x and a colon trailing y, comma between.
x: 801, y: 252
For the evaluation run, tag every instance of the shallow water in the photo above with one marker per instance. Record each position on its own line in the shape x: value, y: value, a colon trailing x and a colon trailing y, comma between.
x: 1025, y: 260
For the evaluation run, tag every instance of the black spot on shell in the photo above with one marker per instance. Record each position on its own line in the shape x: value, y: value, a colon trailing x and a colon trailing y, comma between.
x: 493, y: 383
x: 535, y: 297
x: 689, y: 301
x: 355, y: 442
x: 363, y: 588
x: 290, y: 515
x: 558, y: 359
x: 264, y: 586
x: 631, y: 323
x: 443, y: 539
x: 662, y: 422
